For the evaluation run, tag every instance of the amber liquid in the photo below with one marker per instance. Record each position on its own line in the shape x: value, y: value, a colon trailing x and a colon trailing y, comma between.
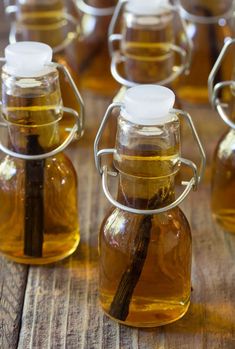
x: 208, y: 40
x: 37, y: 117
x: 92, y: 61
x: 161, y: 293
x: 147, y: 49
x: 223, y: 183
x: 61, y: 230
x: 45, y: 22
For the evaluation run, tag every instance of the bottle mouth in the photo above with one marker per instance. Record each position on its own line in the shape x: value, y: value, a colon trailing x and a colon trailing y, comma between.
x: 146, y: 121
x: 92, y: 10
x: 148, y: 8
x: 148, y: 105
x: 28, y: 59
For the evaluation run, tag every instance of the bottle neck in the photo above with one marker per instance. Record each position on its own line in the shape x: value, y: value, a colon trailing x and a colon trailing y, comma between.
x: 101, y: 3
x: 145, y: 193
x: 147, y: 158
x: 146, y: 45
x: 32, y: 108
x: 42, y: 21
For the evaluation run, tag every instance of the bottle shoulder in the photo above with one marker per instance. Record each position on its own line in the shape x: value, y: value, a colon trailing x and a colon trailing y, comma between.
x: 226, y: 146
x: 119, y: 226
x: 59, y: 166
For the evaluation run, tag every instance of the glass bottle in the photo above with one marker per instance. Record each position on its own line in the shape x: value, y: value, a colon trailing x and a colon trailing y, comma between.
x: 223, y: 169
x: 38, y: 183
x: 209, y: 25
x: 47, y: 21
x: 145, y: 239
x: 94, y: 70
x: 149, y: 51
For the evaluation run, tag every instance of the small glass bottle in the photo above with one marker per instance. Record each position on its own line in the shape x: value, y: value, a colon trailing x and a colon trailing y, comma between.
x: 223, y: 169
x: 145, y: 239
x: 94, y: 69
x: 49, y: 22
x: 209, y: 25
x: 149, y: 51
x: 38, y: 183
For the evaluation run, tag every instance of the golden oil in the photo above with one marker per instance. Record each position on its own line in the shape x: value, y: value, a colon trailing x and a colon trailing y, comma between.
x: 148, y: 44
x: 223, y: 182
x: 145, y: 260
x: 46, y: 21
x: 92, y: 60
x: 39, y: 219
x: 209, y: 24
x: 147, y: 47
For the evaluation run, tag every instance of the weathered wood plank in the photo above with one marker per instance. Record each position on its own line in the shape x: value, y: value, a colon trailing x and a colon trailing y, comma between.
x: 13, y: 279
x: 210, y: 322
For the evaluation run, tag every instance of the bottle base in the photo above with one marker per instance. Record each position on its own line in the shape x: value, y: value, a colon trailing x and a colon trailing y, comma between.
x: 160, y: 318
x: 41, y: 260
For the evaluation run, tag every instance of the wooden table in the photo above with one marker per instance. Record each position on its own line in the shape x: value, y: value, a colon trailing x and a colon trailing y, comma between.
x: 56, y: 306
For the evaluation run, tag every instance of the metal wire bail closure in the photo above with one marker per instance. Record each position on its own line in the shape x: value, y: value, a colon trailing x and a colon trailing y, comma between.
x: 69, y: 38
x: 76, y: 131
x: 10, y: 6
x: 104, y: 172
x: 60, y: 148
x: 94, y: 11
x: 78, y: 96
x: 118, y: 57
x: 80, y: 116
x: 214, y: 91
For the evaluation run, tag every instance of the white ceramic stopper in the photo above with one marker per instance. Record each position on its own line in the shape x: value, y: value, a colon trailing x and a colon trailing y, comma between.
x: 148, y: 7
x: 148, y: 104
x: 28, y: 59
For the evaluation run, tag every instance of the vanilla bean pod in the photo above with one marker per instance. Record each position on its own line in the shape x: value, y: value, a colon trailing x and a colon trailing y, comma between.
x: 34, y: 206
x: 119, y: 308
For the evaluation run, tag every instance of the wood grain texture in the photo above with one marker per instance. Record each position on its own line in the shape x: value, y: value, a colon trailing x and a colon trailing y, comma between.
x: 13, y: 279
x: 61, y: 308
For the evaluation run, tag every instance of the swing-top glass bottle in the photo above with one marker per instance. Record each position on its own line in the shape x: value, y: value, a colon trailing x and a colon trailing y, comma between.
x: 49, y: 22
x: 208, y: 24
x: 38, y: 183
x: 92, y: 50
x: 145, y: 239
x: 223, y: 168
x: 149, y: 50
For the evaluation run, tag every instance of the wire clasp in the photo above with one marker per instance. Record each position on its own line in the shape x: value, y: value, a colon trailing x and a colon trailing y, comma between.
x: 105, y: 172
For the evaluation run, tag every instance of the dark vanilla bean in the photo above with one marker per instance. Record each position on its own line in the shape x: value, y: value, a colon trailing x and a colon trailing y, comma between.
x: 34, y: 206
x: 119, y: 308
